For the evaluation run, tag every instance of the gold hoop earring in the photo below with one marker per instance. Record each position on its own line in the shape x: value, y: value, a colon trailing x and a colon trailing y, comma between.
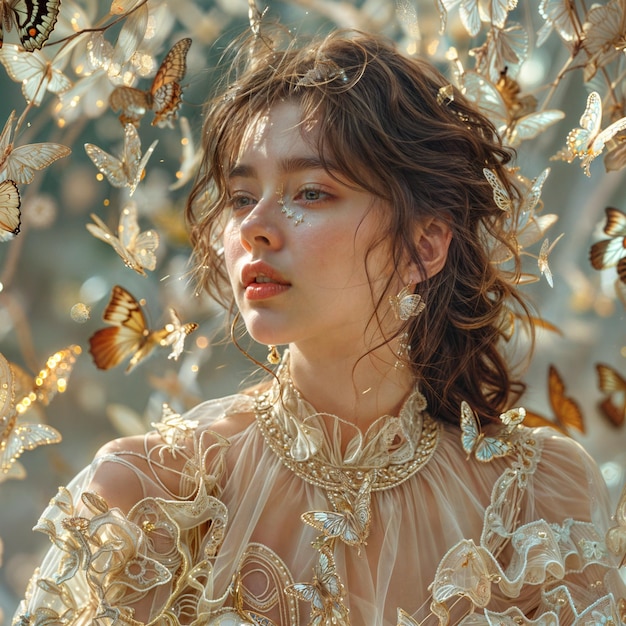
x: 406, y: 304
x: 273, y: 356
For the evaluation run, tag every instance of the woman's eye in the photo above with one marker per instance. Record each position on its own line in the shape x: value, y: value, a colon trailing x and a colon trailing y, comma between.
x: 240, y: 201
x: 312, y: 194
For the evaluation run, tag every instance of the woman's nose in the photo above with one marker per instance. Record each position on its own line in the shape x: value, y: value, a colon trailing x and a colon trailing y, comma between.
x: 261, y: 228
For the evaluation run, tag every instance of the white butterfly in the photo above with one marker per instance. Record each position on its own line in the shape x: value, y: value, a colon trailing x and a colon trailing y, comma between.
x: 19, y: 163
x: 137, y: 249
x: 406, y: 304
x: 10, y: 215
x: 128, y: 170
x: 35, y: 72
x: 350, y: 521
x: 483, y: 447
x: 588, y: 141
x: 542, y: 260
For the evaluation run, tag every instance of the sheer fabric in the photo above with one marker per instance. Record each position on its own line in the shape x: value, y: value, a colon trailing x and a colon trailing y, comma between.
x: 251, y: 510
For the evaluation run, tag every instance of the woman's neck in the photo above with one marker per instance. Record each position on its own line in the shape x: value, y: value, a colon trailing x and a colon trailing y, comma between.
x: 356, y: 390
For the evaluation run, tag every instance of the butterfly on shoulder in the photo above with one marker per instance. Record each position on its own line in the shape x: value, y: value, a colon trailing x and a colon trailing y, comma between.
x: 567, y: 413
x: 351, y: 518
x: 10, y: 214
x: 164, y: 96
x: 611, y: 252
x: 128, y: 170
x: 613, y: 385
x: 137, y: 249
x: 33, y: 19
x: 486, y: 448
x: 129, y: 334
x: 19, y: 392
x: 19, y: 163
x: 588, y: 141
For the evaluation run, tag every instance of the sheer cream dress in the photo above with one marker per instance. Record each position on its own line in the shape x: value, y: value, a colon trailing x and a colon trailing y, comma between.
x: 250, y: 510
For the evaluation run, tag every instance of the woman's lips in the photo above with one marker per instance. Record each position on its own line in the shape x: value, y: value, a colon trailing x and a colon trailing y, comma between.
x: 261, y: 281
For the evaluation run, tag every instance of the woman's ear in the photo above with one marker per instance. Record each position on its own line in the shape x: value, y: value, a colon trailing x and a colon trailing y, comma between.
x: 433, y: 240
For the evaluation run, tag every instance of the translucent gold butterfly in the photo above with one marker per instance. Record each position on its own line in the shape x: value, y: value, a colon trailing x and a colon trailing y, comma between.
x: 137, y: 249
x: 128, y: 170
x: 486, y: 448
x: 588, y: 141
x: 325, y: 593
x: 19, y: 163
x: 351, y: 519
x: 542, y: 259
x: 406, y: 304
x: 129, y: 334
x: 35, y: 73
x: 10, y: 214
x: 613, y: 385
x: 19, y: 392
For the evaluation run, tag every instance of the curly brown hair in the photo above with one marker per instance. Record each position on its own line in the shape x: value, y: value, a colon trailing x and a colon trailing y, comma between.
x: 395, y: 127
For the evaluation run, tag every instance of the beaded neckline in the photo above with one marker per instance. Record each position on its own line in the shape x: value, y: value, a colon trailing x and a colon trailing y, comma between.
x: 287, y: 422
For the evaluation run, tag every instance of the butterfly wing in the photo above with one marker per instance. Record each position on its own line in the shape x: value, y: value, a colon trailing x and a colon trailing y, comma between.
x: 166, y: 90
x: 133, y: 103
x: 109, y: 165
x: 26, y: 436
x: 128, y: 334
x: 24, y: 160
x: 54, y: 376
x: 613, y: 385
x: 35, y: 21
x: 470, y: 431
x: 176, y: 334
x: 139, y: 247
x: 10, y: 215
x: 566, y: 410
x: 8, y: 414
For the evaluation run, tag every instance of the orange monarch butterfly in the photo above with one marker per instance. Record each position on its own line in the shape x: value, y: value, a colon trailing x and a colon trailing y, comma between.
x: 613, y: 385
x: 10, y: 215
x: 164, y: 96
x: 611, y: 252
x: 130, y: 335
x: 34, y: 20
x: 566, y: 410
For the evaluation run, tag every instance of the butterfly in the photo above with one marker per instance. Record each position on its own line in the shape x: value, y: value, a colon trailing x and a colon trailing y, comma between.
x: 486, y: 448
x: 34, y: 72
x: 514, y: 124
x: 542, y: 260
x: 18, y: 393
x: 163, y: 97
x: 613, y: 385
x: 566, y: 410
x: 128, y: 170
x: 324, y: 593
x: 406, y: 304
x: 34, y: 20
x: 350, y: 521
x: 19, y: 164
x: 530, y: 199
x: 130, y: 335
x: 10, y: 215
x: 611, y: 252
x: 136, y: 249
x: 588, y: 141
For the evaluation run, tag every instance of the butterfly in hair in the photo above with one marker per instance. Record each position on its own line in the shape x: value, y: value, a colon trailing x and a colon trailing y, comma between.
x: 129, y: 334
x: 611, y: 252
x: 164, y: 96
x: 613, y: 385
x: 567, y: 412
x: 588, y: 141
x: 485, y: 447
x: 33, y: 19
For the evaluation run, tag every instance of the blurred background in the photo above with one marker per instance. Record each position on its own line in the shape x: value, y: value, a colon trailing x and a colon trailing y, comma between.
x: 56, y: 277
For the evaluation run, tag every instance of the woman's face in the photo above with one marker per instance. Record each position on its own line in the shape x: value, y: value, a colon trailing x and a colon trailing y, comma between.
x: 296, y: 241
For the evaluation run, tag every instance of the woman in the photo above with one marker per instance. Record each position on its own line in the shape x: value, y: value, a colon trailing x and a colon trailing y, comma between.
x: 381, y: 476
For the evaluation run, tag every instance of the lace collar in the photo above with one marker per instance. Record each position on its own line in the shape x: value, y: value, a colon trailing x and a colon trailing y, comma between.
x: 392, y: 449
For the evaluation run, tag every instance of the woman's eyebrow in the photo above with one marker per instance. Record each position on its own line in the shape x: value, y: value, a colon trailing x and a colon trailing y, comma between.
x: 288, y: 165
